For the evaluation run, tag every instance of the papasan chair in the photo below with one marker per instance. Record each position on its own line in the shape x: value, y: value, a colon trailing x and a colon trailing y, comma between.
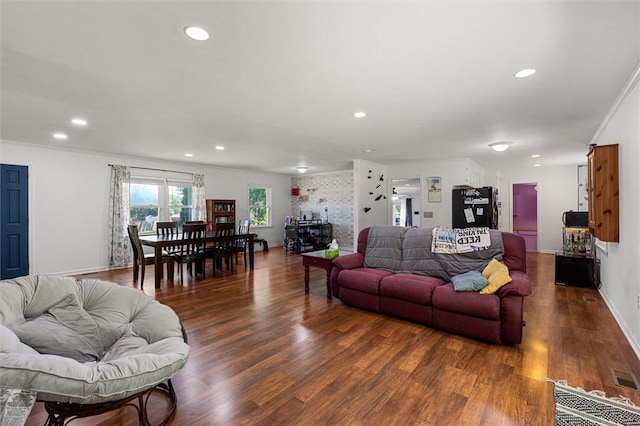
x: 88, y: 346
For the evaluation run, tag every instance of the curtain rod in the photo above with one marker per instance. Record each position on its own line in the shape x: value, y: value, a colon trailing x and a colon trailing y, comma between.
x: 157, y: 170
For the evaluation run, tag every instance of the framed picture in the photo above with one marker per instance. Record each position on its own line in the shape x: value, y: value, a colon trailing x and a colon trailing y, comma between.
x: 434, y: 189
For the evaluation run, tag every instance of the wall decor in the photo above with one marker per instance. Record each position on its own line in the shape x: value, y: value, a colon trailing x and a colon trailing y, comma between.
x: 434, y: 189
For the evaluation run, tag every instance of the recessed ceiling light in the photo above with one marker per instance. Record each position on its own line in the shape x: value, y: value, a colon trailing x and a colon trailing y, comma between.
x: 60, y: 136
x: 196, y: 33
x: 188, y: 154
x: 537, y: 165
x: 79, y: 121
x: 368, y: 150
x: 535, y: 156
x: 302, y: 169
x: 360, y: 114
x: 220, y: 147
x: 525, y: 73
x: 500, y: 146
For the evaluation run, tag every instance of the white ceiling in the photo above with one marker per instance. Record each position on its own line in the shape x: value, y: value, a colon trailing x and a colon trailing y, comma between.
x: 278, y: 82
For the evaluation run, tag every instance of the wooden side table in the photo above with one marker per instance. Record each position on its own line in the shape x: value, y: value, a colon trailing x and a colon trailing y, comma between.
x: 317, y: 259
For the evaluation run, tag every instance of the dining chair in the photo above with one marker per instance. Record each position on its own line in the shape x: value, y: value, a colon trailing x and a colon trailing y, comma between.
x: 191, y: 249
x: 240, y: 245
x: 191, y: 222
x: 222, y: 249
x: 168, y: 230
x: 141, y: 260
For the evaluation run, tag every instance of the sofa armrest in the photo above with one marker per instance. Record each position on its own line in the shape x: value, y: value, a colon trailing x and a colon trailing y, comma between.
x: 349, y: 261
x: 520, y: 285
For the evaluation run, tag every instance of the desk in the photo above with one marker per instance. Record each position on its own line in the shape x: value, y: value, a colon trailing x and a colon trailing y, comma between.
x: 318, y: 260
x: 160, y: 242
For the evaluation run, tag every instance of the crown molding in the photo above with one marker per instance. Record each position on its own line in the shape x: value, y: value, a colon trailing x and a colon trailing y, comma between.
x: 626, y: 90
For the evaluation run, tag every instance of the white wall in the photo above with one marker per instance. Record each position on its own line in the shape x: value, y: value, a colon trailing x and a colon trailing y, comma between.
x: 367, y: 186
x: 68, y: 202
x: 460, y: 171
x: 619, y: 266
x: 557, y: 193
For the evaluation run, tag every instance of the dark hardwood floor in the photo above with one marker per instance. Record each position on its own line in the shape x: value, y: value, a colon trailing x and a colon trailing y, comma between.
x: 264, y: 352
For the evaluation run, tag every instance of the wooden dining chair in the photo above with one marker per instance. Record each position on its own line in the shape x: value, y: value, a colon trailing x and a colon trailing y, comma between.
x: 141, y: 260
x: 191, y: 249
x: 222, y: 249
x: 168, y: 230
x: 240, y: 246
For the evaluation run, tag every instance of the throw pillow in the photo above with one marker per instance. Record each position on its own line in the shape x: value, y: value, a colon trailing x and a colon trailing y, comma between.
x: 67, y: 330
x: 9, y: 343
x: 498, y: 275
x: 469, y: 281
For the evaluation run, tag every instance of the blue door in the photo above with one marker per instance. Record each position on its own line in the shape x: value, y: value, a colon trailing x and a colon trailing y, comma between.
x: 14, y: 221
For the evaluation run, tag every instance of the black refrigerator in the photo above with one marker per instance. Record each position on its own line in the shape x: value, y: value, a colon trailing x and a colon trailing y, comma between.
x: 473, y: 207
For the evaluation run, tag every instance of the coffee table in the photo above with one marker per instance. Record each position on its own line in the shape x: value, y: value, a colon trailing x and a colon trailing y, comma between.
x: 317, y: 259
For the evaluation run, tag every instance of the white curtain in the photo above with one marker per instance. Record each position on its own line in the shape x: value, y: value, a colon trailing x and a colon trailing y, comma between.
x: 199, y: 198
x: 119, y: 247
x: 403, y: 213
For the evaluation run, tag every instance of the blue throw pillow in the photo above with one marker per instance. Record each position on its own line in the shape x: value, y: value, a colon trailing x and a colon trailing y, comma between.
x: 469, y: 281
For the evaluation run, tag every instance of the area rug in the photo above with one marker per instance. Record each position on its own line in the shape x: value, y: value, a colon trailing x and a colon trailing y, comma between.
x: 575, y: 406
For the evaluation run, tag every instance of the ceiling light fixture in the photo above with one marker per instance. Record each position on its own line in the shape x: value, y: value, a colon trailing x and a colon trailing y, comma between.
x: 500, y: 146
x: 61, y: 136
x: 220, y: 147
x: 525, y: 73
x: 367, y: 151
x: 537, y: 165
x: 302, y: 169
x: 79, y: 121
x: 535, y: 156
x: 196, y: 33
x: 188, y: 154
x: 360, y: 114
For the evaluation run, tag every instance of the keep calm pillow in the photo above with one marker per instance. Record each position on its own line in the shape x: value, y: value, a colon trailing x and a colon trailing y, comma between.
x: 67, y: 330
x: 469, y: 281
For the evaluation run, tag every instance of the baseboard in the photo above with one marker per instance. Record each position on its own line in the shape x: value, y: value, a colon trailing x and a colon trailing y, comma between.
x: 86, y: 271
x: 548, y: 251
x: 622, y: 324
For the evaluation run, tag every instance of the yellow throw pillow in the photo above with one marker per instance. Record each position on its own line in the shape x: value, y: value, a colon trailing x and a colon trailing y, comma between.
x: 498, y: 275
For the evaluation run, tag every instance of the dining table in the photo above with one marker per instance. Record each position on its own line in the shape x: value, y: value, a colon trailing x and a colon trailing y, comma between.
x: 159, y: 243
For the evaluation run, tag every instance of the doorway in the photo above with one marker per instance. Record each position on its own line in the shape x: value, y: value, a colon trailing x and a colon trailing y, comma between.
x: 406, y: 201
x: 525, y: 213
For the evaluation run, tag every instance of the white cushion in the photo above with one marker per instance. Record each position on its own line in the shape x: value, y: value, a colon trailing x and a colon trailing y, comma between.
x: 150, y: 351
x: 9, y: 343
x: 67, y: 330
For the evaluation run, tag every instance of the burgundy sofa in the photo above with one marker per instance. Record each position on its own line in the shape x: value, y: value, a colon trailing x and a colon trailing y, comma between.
x: 431, y: 300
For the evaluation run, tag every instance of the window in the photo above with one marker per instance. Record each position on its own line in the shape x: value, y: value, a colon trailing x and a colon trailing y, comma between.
x: 152, y: 200
x: 260, y: 205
